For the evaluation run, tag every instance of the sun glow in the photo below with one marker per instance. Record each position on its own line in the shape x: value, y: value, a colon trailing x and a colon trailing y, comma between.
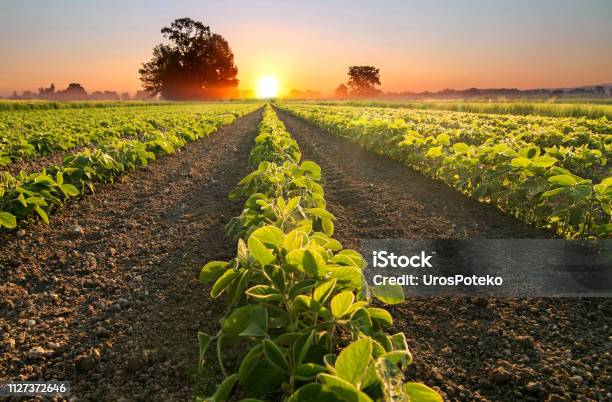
x: 267, y: 87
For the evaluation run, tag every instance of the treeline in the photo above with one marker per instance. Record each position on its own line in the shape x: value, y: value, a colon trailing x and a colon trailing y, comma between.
x: 473, y: 93
x: 76, y: 92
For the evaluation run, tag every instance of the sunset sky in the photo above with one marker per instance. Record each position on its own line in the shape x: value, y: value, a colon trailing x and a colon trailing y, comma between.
x: 418, y: 45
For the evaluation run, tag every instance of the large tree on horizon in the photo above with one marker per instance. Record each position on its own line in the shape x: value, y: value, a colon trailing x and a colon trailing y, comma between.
x: 363, y: 80
x: 195, y: 64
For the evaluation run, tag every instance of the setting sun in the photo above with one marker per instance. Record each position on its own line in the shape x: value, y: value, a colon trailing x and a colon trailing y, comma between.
x: 267, y: 87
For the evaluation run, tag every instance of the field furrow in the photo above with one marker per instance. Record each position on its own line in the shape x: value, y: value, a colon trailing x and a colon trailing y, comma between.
x: 385, y: 199
x: 471, y: 348
x: 106, y: 295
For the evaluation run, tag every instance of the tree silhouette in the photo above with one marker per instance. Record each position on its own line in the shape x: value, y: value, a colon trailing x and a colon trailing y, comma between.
x: 195, y: 64
x: 75, y: 91
x: 341, y: 91
x: 363, y: 80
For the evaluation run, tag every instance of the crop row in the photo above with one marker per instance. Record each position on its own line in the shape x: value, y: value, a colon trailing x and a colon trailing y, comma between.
x: 589, y: 109
x: 583, y: 144
x: 33, y: 133
x: 25, y: 195
x: 494, y: 160
x: 35, y: 104
x: 297, y: 298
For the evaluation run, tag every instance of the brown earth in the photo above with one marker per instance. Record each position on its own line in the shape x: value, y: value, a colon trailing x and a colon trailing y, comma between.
x: 468, y: 348
x: 35, y: 165
x: 107, y: 295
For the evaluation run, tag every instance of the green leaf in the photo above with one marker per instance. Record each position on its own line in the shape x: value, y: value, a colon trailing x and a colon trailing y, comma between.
x: 7, y: 220
x: 389, y: 376
x: 353, y: 360
x: 237, y: 321
x: 295, y: 259
x: 380, y: 315
x: 312, y: 392
x: 554, y: 192
x: 224, y: 389
x: 257, y: 325
x: 301, y: 287
x: 583, y: 191
x: 264, y: 293
x: 42, y: 214
x: 443, y: 139
x: 348, y: 277
x: 212, y: 271
x: 295, y: 239
x: 308, y: 371
x: 235, y: 292
x: 287, y: 338
x: 261, y: 254
x: 544, y: 161
x: 22, y: 200
x: 342, y: 389
x: 292, y: 204
x: 300, y: 348
x: 37, y: 201
x: 323, y: 291
x: 521, y: 162
x: 460, y: 147
x: 312, y: 168
x: 275, y: 356
x: 262, y: 379
x: 421, y: 392
x: 69, y: 190
x: 434, y: 152
x: 271, y: 236
x: 320, y: 213
x: 330, y: 361
x: 313, y: 264
x: 575, y: 216
x: 223, y: 282
x: 388, y: 294
x: 341, y: 303
x: 277, y: 276
x: 307, y: 303
x: 248, y: 362
x: 242, y: 254
x: 563, y: 180
x: 350, y: 258
x: 328, y: 226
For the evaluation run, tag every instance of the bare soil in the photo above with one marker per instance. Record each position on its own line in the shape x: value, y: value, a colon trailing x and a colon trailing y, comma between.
x: 107, y: 296
x: 467, y: 348
x: 35, y: 165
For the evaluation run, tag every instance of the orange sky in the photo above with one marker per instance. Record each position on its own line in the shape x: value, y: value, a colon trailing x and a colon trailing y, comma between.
x: 417, y: 45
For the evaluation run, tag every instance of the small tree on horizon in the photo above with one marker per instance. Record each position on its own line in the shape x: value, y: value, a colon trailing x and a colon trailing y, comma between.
x: 195, y: 64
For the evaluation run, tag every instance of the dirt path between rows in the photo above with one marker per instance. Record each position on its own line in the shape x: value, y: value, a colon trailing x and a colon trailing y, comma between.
x: 468, y: 348
x: 107, y: 295
x: 39, y: 163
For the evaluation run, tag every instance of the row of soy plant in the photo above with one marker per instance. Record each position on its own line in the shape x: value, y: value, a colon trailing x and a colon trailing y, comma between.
x: 297, y: 298
x: 28, y: 195
x: 552, y: 173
